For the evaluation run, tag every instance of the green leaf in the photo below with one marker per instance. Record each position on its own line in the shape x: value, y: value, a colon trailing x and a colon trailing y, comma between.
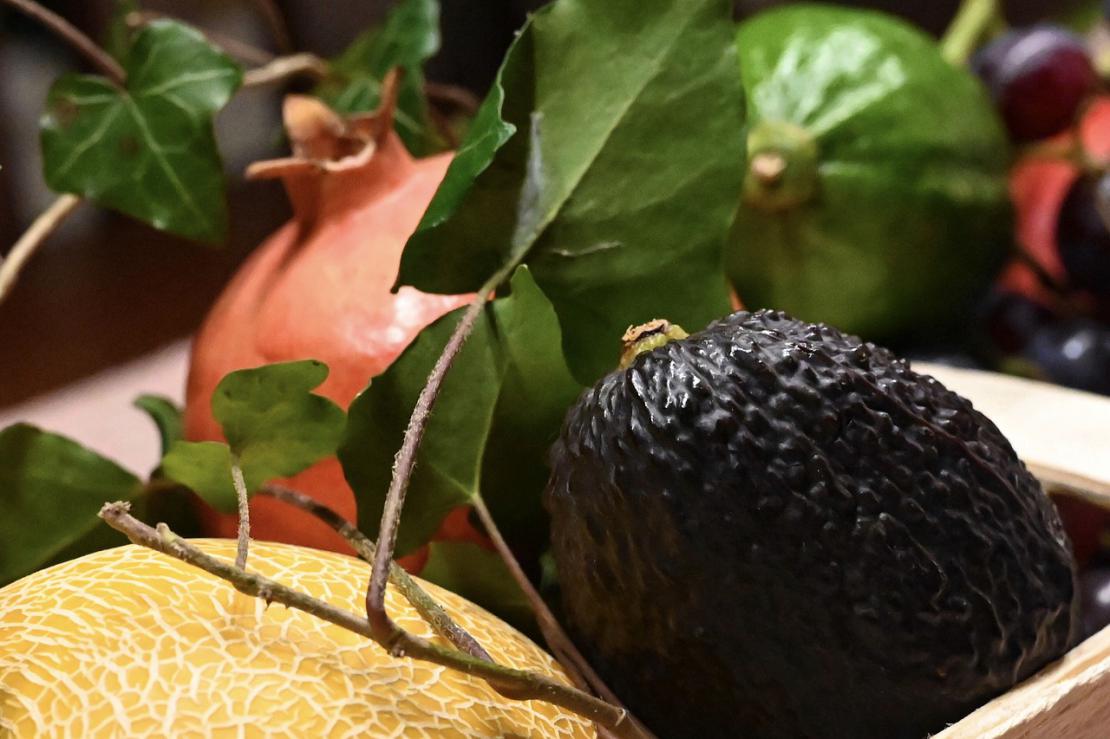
x: 51, y: 489
x: 481, y: 577
x: 147, y: 150
x: 273, y: 423
x: 205, y: 468
x: 166, y: 416
x: 407, y: 38
x: 500, y: 407
x: 609, y: 158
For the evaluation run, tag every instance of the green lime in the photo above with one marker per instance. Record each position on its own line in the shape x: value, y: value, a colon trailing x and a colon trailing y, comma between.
x: 875, y: 197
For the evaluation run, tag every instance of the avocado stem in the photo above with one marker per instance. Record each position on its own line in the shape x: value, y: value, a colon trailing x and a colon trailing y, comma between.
x: 647, y: 336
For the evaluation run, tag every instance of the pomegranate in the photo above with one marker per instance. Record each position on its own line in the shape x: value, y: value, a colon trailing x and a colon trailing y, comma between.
x: 319, y: 288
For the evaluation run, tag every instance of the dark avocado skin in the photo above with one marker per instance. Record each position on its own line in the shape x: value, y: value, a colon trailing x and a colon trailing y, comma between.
x: 771, y: 529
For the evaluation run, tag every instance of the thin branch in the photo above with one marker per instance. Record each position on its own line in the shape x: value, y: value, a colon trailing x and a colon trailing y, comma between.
x: 973, y: 20
x: 405, y: 460
x: 425, y: 605
x: 99, y: 58
x: 244, y: 513
x: 557, y: 639
x: 528, y: 685
x: 283, y: 67
x: 460, y: 97
x: 32, y: 239
x: 276, y: 21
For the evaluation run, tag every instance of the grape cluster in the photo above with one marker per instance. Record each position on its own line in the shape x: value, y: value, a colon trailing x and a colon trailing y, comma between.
x: 1047, y: 316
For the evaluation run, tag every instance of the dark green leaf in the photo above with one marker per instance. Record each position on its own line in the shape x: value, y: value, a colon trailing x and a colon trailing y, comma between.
x: 274, y: 424
x: 407, y: 38
x: 205, y: 468
x: 500, y: 407
x: 481, y: 577
x: 51, y: 489
x: 147, y: 150
x: 166, y: 416
x: 619, y: 183
x: 273, y: 421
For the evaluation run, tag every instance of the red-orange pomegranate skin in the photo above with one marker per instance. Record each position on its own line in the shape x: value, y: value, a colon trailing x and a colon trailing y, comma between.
x: 319, y: 288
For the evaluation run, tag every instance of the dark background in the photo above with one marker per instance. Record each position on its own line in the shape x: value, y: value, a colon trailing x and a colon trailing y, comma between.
x: 104, y: 288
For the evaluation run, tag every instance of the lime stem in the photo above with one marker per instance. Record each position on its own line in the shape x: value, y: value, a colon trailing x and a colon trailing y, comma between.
x: 973, y: 21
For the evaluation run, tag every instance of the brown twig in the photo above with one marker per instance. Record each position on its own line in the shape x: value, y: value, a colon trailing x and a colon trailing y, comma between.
x: 460, y: 97
x: 528, y: 685
x: 99, y: 58
x: 283, y: 67
x: 32, y: 239
x: 276, y: 21
x: 425, y: 605
x: 405, y: 460
x: 243, y: 545
x: 557, y: 639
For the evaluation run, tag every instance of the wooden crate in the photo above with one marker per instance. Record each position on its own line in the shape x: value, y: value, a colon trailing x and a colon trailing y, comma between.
x: 1064, y: 437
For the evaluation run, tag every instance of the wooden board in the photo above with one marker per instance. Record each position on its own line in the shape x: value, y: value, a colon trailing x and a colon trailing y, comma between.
x: 1064, y: 437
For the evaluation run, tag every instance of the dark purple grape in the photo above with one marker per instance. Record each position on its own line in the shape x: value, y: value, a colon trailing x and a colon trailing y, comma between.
x: 1011, y: 319
x: 1075, y: 352
x: 1094, y: 600
x: 1038, y: 77
x: 1083, y: 235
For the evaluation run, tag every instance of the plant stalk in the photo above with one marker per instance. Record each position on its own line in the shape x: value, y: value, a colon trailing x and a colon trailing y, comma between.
x: 34, y: 237
x: 973, y: 21
x: 557, y: 639
x: 243, y: 498
x: 283, y: 67
x: 528, y: 685
x: 405, y: 461
x: 99, y: 58
x: 426, y: 606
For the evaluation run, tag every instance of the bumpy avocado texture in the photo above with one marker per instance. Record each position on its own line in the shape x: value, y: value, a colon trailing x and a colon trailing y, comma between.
x: 772, y: 529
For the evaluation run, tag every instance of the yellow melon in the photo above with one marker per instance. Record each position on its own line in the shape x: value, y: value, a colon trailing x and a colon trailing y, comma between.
x: 130, y: 643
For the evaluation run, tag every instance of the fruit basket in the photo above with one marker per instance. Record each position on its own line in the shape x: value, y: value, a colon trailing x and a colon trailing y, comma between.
x: 1060, y: 434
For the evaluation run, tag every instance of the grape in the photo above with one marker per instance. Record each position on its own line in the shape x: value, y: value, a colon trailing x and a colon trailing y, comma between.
x: 1038, y: 77
x: 1011, y: 319
x: 1094, y: 600
x: 1074, y: 352
x: 1082, y: 236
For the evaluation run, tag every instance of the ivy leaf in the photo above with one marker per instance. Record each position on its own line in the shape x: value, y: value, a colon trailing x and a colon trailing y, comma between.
x: 51, y: 489
x: 500, y: 407
x: 275, y: 426
x: 205, y: 468
x: 407, y: 38
x: 147, y: 150
x: 481, y: 577
x: 609, y: 158
x: 166, y: 416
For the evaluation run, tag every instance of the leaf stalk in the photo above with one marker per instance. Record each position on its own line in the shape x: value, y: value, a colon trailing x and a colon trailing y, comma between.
x: 99, y: 58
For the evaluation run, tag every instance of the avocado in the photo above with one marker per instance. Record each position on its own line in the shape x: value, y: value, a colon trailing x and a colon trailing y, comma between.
x: 772, y: 529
